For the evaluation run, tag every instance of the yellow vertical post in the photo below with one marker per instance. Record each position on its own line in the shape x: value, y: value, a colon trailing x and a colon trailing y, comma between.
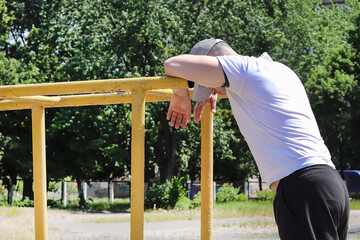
x: 137, y: 165
x: 206, y: 173
x: 39, y: 164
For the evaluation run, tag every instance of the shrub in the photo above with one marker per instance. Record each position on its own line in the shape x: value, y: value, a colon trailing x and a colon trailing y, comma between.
x: 165, y: 195
x: 176, y: 191
x: 25, y: 203
x: 196, y: 202
x: 158, y: 196
x: 266, y: 195
x: 51, y: 203
x: 98, y: 205
x: 183, y: 203
x: 241, y: 197
x: 227, y: 193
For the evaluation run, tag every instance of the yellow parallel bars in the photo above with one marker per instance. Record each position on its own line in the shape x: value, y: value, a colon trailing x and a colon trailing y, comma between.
x: 23, y: 97
x: 39, y: 165
x: 137, y: 164
x: 92, y: 86
x: 206, y: 173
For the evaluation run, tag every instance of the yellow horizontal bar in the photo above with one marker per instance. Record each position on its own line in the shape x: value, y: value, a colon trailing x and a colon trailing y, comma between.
x: 162, y: 92
x: 92, y: 86
x: 88, y: 100
x: 81, y: 100
x: 37, y: 99
x: 169, y: 92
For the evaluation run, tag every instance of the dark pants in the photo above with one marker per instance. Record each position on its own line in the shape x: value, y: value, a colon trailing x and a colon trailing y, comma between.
x: 312, y: 203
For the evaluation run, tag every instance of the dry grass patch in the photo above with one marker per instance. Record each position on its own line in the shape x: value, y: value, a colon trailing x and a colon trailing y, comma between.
x: 16, y: 223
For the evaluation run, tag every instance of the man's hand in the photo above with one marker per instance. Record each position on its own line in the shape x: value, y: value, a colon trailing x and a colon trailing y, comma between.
x: 180, y: 108
x: 200, y: 105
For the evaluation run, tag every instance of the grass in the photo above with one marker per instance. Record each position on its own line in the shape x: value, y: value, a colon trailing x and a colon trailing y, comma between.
x: 10, y: 220
x: 243, y: 209
x: 97, y: 205
x: 221, y: 210
x: 247, y: 212
x: 355, y: 204
x: 119, y: 205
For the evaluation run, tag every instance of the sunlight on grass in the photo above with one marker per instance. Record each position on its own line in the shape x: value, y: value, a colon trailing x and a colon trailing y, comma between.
x: 221, y: 210
x: 254, y: 224
x: 171, y: 215
x: 243, y: 209
x: 11, y: 218
x: 11, y: 212
x: 355, y: 204
x: 257, y: 224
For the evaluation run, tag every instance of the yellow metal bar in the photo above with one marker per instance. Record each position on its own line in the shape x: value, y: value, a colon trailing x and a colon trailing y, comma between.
x: 206, y: 173
x: 162, y: 92
x: 137, y: 165
x: 93, y: 86
x: 36, y: 99
x: 82, y: 100
x: 39, y: 165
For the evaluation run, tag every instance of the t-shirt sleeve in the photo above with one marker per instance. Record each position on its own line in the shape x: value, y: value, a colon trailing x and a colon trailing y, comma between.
x: 235, y: 69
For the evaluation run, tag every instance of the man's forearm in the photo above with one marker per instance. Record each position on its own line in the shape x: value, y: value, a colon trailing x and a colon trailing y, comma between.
x: 183, y: 92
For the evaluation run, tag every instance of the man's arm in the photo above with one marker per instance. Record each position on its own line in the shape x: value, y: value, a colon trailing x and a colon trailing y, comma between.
x: 204, y: 70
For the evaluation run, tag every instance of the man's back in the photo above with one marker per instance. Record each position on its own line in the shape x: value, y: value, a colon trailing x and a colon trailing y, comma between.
x: 272, y: 110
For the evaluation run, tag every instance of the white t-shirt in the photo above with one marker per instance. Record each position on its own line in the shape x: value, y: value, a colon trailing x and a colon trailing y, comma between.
x: 274, y: 115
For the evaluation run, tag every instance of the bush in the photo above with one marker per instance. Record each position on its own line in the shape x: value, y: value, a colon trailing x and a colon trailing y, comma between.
x: 355, y: 195
x: 25, y: 203
x: 158, y: 196
x: 98, y: 205
x: 241, y: 197
x: 227, y: 193
x: 196, y: 202
x: 183, y: 203
x: 266, y: 195
x: 176, y: 191
x: 165, y: 195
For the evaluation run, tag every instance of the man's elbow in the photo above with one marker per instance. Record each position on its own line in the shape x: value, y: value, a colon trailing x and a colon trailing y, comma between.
x: 167, y: 66
x: 170, y: 67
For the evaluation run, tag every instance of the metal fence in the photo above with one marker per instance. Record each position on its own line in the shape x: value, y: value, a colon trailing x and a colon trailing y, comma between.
x: 137, y: 91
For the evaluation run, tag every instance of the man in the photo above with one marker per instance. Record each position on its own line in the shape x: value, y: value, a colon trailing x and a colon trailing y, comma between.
x: 273, y: 113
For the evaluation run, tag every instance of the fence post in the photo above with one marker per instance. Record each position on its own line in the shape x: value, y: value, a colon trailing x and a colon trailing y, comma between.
x: 206, y: 174
x: 64, y: 194
x: 111, y: 192
x: 39, y: 163
x: 246, y: 189
x: 84, y: 187
x: 137, y: 164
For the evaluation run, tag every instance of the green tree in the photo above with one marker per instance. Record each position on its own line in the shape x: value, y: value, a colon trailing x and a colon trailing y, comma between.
x: 332, y: 84
x: 15, y: 131
x: 54, y: 41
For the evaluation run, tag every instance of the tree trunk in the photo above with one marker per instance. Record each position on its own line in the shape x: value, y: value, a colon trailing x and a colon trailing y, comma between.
x: 28, y: 189
x: 170, y: 157
x: 260, y: 183
x: 10, y: 183
x: 63, y: 193
x: 10, y: 193
x: 82, y: 201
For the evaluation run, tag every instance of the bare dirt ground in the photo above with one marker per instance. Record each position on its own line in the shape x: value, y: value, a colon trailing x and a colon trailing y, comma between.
x: 77, y: 226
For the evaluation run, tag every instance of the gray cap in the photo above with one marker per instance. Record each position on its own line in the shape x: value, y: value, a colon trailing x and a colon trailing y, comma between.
x: 203, y: 48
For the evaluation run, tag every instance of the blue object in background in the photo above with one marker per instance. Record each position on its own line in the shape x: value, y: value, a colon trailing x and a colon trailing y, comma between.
x: 352, y: 179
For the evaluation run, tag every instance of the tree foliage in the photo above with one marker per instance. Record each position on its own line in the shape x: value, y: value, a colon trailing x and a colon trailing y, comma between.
x: 59, y: 40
